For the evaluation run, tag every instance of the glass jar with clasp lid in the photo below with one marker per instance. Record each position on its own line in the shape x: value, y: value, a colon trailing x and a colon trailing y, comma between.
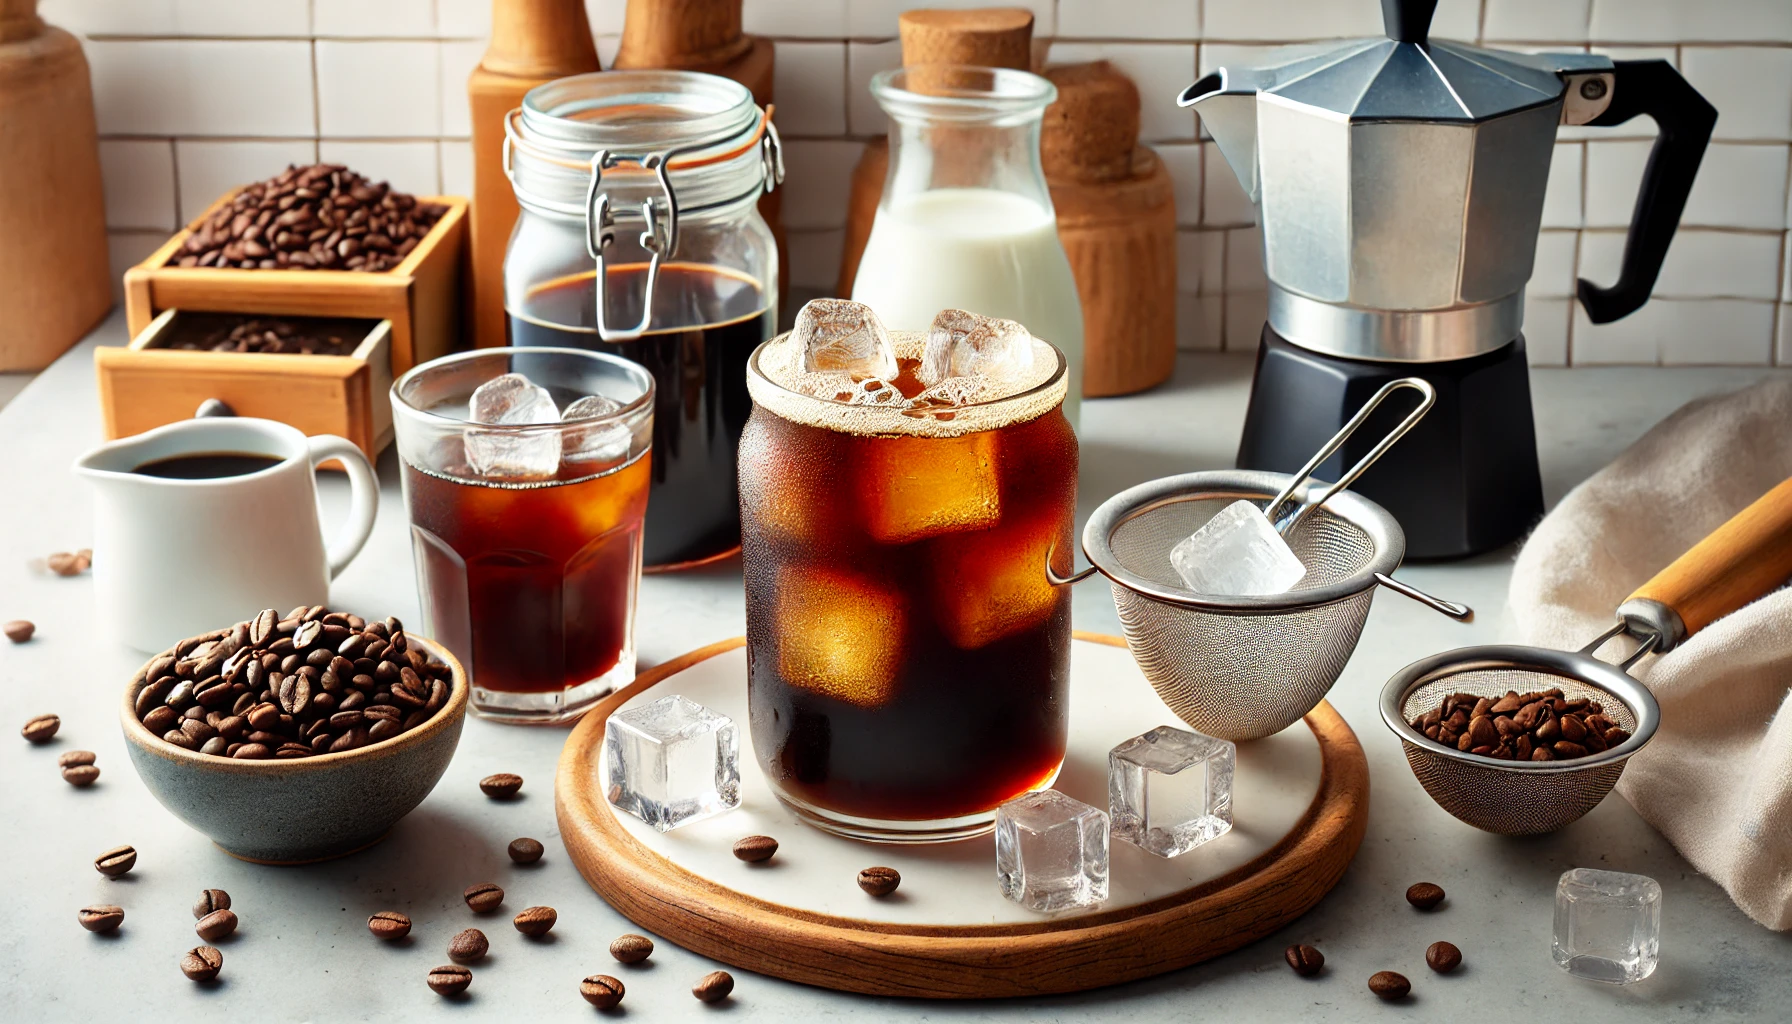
x: 640, y: 235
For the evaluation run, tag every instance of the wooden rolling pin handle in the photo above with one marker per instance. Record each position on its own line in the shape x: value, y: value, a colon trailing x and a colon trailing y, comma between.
x: 1738, y: 562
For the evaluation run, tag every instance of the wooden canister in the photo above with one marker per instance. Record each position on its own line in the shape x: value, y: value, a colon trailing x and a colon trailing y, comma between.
x: 53, y: 272
x: 705, y: 35
x: 991, y: 37
x: 1116, y: 210
x: 533, y: 42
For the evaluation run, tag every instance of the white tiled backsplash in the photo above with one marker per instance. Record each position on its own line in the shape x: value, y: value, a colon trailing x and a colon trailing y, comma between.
x: 198, y: 95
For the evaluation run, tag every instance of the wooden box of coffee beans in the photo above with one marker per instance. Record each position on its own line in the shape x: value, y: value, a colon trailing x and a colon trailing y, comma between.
x: 323, y: 375
x: 227, y: 260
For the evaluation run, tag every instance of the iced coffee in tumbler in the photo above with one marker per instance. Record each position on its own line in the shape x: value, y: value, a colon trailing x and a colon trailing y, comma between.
x: 900, y: 495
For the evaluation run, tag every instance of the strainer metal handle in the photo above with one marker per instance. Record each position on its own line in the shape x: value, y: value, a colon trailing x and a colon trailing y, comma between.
x: 1423, y: 387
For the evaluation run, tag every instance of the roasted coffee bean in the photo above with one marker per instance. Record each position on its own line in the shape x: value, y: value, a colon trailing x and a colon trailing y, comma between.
x: 535, y: 921
x: 389, y: 925
x: 294, y: 694
x: 64, y: 563
x: 1389, y: 985
x: 161, y: 719
x: 484, y: 897
x: 18, y: 630
x: 1443, y: 957
x: 450, y: 980
x: 43, y: 728
x: 232, y: 726
x: 1305, y: 960
x: 385, y: 728
x: 210, y: 902
x: 216, y: 925
x: 262, y: 626
x: 180, y: 739
x: 345, y: 719
x: 292, y: 750
x: 1566, y: 751
x: 469, y: 946
x: 601, y: 991
x: 215, y: 746
x: 202, y: 963
x: 252, y: 752
x: 631, y: 948
x: 197, y: 730
x: 264, y: 717
x: 501, y: 786
x: 81, y: 775
x: 1424, y: 895
x: 755, y: 849
x: 879, y: 881
x: 76, y: 758
x: 101, y: 917
x: 350, y: 740
x: 115, y: 862
x: 525, y: 851
x: 307, y: 634
x: 713, y: 987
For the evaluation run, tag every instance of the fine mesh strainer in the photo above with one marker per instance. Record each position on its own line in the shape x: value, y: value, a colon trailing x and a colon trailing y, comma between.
x: 1737, y: 563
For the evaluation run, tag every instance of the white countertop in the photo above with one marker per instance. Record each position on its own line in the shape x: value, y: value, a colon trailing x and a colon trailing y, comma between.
x: 303, y: 952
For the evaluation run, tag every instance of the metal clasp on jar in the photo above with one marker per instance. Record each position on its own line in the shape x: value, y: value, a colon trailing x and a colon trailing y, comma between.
x: 660, y: 238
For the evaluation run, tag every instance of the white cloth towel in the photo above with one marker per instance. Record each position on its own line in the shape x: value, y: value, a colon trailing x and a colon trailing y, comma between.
x: 1717, y: 778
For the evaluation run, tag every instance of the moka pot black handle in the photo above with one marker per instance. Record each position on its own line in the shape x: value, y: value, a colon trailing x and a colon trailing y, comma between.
x: 1655, y: 89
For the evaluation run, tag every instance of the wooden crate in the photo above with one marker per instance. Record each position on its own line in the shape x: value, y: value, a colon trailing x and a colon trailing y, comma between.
x: 420, y: 296
x: 146, y: 385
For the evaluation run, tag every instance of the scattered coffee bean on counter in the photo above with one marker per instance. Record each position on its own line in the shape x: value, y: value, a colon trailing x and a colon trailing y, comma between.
x: 1389, y: 985
x: 525, y: 851
x: 501, y: 786
x: 1539, y: 726
x: 484, y: 897
x: 321, y: 217
x: 202, y: 963
x: 76, y: 758
x: 631, y: 948
x: 314, y: 682
x: 41, y: 729
x: 64, y: 563
x: 601, y: 991
x: 467, y: 947
x: 116, y: 862
x: 81, y: 776
x: 1424, y: 895
x: 210, y: 901
x: 1305, y: 960
x: 755, y: 849
x: 714, y: 986
x: 271, y: 336
x: 879, y: 881
x: 449, y: 980
x: 19, y: 630
x: 389, y: 925
x: 536, y: 921
x: 216, y: 925
x: 1443, y: 957
x: 102, y: 917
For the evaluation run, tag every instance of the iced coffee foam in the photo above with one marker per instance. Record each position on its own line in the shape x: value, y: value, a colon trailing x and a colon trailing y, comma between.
x: 778, y: 383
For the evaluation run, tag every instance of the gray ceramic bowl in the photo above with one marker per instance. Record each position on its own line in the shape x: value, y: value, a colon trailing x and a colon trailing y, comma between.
x: 306, y: 809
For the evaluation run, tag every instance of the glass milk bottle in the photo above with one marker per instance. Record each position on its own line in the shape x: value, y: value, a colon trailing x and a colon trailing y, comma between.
x: 966, y: 220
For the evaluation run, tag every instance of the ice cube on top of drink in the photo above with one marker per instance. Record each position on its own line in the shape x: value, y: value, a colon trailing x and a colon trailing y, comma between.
x: 843, y: 337
x: 1237, y: 554
x: 512, y: 400
x: 598, y: 442
x: 964, y: 344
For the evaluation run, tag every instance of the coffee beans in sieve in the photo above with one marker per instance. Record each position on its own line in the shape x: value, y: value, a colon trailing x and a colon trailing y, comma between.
x: 1539, y: 726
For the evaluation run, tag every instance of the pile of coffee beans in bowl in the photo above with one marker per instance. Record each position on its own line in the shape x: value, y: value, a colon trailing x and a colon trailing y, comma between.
x: 311, y: 682
x: 1540, y: 726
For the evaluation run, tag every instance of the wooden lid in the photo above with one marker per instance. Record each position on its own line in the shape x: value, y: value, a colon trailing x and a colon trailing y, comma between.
x: 680, y: 34
x: 540, y: 39
x: 991, y: 37
x: 1090, y: 131
x: 19, y: 20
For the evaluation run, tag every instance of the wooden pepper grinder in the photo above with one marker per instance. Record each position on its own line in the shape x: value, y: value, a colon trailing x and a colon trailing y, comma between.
x: 1116, y: 209
x: 54, y: 281
x: 990, y: 37
x: 533, y: 42
x: 705, y: 35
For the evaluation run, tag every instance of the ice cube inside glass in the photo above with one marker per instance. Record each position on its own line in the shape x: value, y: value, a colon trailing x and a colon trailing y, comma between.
x: 1237, y: 554
x: 1170, y: 790
x: 1608, y: 925
x: 1052, y: 852
x: 672, y: 762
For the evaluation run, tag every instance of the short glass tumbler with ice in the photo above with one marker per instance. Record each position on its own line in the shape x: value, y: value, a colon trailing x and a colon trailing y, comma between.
x: 1170, y: 790
x: 1608, y: 925
x: 672, y: 762
x: 1238, y: 553
x: 1052, y: 852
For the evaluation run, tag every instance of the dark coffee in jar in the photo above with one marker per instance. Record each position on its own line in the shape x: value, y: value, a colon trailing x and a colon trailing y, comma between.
x: 693, y: 509
x: 207, y: 465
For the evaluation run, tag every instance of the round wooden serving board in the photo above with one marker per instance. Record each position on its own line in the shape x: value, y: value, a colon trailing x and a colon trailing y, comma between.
x: 1301, y: 801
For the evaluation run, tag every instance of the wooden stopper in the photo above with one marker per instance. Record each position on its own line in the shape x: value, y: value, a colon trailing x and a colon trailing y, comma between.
x: 1091, y: 130
x: 991, y: 37
x: 681, y: 34
x: 544, y: 39
x: 19, y: 20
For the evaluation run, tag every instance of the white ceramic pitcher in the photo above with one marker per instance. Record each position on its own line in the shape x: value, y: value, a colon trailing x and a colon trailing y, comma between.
x: 176, y: 557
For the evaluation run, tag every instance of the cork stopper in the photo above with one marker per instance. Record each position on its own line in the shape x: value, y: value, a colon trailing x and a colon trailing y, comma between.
x: 681, y: 34
x: 540, y: 39
x: 19, y: 20
x: 1090, y: 132
x: 991, y: 37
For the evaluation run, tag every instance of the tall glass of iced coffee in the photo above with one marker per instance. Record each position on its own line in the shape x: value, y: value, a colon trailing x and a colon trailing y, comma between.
x: 900, y: 494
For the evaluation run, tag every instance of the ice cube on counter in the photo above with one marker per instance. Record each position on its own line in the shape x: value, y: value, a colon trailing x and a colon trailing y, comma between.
x: 1237, y: 554
x: 599, y: 442
x: 1170, y: 790
x: 844, y: 337
x: 672, y: 762
x: 1607, y: 925
x: 1052, y: 852
x: 512, y: 400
